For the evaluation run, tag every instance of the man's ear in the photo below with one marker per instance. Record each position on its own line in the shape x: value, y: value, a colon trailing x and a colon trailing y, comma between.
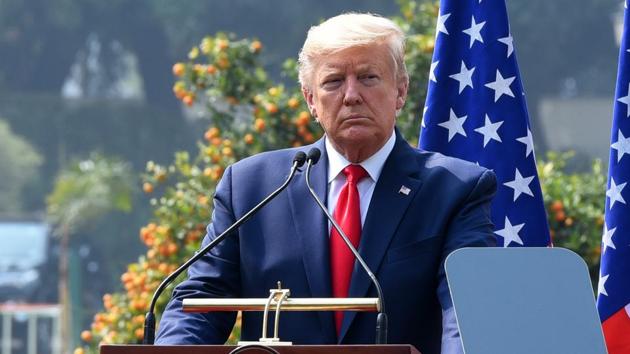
x: 308, y: 97
x: 403, y: 85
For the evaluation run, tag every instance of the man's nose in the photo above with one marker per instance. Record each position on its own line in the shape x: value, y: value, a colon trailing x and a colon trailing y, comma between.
x: 352, y: 93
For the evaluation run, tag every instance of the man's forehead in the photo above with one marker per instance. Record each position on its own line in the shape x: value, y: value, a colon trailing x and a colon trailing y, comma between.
x: 359, y: 59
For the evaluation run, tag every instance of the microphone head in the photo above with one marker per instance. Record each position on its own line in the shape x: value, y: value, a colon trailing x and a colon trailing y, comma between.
x: 299, y: 159
x: 313, y: 155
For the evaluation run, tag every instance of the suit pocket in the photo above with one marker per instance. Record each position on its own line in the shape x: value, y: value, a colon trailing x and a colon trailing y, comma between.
x: 414, y: 249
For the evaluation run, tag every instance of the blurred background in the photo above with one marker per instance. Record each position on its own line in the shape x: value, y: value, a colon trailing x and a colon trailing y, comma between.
x: 90, y: 125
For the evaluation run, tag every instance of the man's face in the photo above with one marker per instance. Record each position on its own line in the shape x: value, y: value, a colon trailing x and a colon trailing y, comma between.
x: 354, y: 95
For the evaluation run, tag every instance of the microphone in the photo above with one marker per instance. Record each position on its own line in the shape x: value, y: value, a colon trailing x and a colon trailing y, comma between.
x: 381, y: 319
x: 149, y: 320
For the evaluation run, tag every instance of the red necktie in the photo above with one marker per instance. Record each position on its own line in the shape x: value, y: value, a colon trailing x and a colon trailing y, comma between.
x: 348, y: 216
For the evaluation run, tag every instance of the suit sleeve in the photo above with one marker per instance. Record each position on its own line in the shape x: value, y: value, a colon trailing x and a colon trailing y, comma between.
x: 471, y: 226
x: 217, y: 274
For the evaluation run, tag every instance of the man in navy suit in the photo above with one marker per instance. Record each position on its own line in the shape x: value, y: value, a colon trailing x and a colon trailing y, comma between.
x: 411, y: 208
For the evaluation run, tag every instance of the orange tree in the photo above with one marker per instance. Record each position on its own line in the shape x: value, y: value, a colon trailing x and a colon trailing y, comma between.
x: 575, y: 207
x: 249, y: 113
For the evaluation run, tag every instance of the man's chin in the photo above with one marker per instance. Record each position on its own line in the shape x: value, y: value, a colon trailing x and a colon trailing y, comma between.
x: 359, y: 139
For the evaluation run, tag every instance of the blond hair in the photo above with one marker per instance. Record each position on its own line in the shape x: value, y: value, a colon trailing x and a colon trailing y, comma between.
x: 351, y: 30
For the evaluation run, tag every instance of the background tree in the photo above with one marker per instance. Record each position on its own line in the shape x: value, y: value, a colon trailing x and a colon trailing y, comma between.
x: 84, y: 192
x: 18, y: 168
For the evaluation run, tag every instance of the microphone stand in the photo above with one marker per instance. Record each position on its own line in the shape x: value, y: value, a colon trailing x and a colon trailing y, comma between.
x: 381, y: 319
x: 149, y: 320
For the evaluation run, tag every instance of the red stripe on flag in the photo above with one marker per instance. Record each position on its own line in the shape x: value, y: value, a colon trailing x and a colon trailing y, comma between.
x: 617, y: 332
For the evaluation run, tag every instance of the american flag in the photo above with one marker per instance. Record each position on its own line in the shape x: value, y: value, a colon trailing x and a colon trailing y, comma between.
x: 475, y: 110
x: 613, y: 299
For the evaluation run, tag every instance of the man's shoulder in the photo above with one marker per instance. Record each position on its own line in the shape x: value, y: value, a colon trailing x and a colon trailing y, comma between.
x: 278, y: 161
x: 438, y: 165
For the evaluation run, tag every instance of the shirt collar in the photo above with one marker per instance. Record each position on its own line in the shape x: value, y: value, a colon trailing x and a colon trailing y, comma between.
x: 373, y: 165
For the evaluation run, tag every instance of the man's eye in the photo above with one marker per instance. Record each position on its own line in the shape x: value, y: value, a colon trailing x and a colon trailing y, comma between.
x: 369, y: 78
x: 331, y: 83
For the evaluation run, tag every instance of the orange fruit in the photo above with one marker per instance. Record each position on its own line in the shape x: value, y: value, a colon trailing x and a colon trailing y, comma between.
x: 568, y: 221
x: 557, y: 206
x: 189, y: 99
x: 86, y: 336
x: 217, y: 141
x: 203, y: 200
x: 560, y: 216
x: 139, y: 332
x: 211, y: 69
x: 211, y: 133
x: 302, y: 120
x: 223, y: 63
x: 259, y: 124
x: 271, y: 108
x: 147, y: 187
x: 179, y: 69
x: 293, y: 103
x: 172, y: 248
x: 248, y: 138
x: 223, y: 44
x: 256, y: 46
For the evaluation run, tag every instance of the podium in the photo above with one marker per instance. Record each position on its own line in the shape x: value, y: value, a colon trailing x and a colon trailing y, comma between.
x: 523, y: 301
x: 226, y: 349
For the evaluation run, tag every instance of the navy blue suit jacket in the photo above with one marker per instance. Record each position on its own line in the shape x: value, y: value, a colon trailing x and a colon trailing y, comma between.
x: 405, y: 240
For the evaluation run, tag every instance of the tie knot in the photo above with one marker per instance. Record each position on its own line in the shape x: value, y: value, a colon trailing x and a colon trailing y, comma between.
x: 354, y: 173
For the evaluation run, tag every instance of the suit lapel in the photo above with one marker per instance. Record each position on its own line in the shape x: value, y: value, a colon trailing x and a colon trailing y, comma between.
x: 387, y: 207
x: 312, y: 230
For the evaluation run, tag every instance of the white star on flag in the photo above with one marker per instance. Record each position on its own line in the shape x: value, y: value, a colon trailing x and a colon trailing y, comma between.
x: 528, y: 141
x: 501, y: 86
x: 510, y: 233
x: 424, y: 112
x: 489, y: 131
x: 520, y: 184
x: 441, y: 24
x: 614, y: 193
x: 432, y: 71
x: 455, y: 125
x: 601, y: 287
x: 607, y: 238
x: 626, y: 100
x: 474, y: 31
x: 464, y: 77
x: 622, y: 145
x: 509, y: 41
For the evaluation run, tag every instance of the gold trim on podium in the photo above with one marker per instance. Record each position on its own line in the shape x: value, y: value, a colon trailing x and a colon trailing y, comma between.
x: 290, y: 304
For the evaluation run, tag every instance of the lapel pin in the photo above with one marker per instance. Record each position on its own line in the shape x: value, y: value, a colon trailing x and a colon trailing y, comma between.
x: 404, y: 190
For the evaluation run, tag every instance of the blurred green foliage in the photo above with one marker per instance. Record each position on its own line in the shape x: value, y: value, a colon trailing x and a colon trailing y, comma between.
x: 20, y: 162
x: 575, y: 206
x: 88, y: 189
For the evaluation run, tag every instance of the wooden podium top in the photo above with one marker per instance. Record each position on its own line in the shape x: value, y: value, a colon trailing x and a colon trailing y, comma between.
x: 225, y: 349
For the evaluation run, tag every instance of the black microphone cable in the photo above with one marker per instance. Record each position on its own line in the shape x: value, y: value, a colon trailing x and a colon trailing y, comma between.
x: 381, y: 320
x: 149, y: 320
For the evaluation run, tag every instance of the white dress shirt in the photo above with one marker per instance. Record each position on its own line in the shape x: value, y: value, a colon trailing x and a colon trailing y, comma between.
x: 336, y: 179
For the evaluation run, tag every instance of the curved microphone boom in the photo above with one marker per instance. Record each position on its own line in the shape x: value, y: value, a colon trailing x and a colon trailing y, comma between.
x: 149, y: 320
x: 381, y: 320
